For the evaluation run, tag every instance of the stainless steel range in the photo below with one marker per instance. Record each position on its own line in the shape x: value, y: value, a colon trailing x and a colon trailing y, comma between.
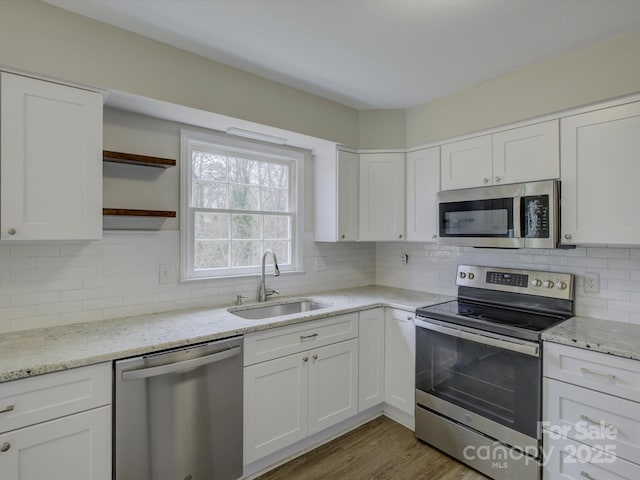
x: 479, y: 367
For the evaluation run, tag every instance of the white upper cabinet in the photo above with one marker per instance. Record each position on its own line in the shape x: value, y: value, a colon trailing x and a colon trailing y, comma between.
x: 467, y: 163
x: 423, y: 185
x: 524, y: 154
x: 600, y: 171
x: 50, y: 161
x: 336, y: 196
x: 382, y: 196
x: 527, y: 154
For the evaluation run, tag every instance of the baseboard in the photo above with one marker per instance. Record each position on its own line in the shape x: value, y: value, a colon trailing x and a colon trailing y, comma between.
x: 400, y: 417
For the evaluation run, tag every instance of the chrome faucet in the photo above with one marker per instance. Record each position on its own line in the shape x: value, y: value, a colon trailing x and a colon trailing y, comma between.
x: 263, y: 291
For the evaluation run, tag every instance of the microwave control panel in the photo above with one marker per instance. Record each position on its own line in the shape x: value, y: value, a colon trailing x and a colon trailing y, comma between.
x: 536, y: 216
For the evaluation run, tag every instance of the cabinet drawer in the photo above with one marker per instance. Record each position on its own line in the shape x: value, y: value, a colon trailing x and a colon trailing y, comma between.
x: 569, y: 460
x: 593, y: 418
x: 37, y: 399
x: 278, y: 342
x: 599, y: 371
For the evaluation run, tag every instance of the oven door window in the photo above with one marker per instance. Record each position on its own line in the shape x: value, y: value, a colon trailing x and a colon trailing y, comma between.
x: 498, y: 384
x: 478, y: 218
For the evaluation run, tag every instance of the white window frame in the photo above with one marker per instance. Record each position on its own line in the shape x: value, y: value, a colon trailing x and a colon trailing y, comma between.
x: 246, y: 148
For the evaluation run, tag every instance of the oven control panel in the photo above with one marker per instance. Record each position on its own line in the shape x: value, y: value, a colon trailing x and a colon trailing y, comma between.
x: 532, y: 282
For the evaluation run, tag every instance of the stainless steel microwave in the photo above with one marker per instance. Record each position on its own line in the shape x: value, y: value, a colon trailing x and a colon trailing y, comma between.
x: 521, y: 215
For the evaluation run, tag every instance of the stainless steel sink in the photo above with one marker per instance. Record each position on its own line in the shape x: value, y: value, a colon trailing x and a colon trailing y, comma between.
x: 259, y: 312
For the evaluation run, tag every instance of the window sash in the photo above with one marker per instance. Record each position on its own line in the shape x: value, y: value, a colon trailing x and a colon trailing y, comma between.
x: 292, y: 159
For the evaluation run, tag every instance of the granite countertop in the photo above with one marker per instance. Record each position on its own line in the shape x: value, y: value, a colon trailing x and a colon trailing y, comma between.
x: 605, y: 336
x: 34, y: 352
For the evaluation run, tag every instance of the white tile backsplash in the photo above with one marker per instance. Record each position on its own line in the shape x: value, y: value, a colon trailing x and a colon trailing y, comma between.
x: 51, y: 284
x: 433, y: 268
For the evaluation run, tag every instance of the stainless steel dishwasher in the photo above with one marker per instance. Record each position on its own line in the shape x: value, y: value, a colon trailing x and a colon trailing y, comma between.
x: 178, y: 414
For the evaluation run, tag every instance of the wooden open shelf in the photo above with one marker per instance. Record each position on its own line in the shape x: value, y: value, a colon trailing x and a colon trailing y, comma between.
x: 128, y: 212
x: 133, y: 159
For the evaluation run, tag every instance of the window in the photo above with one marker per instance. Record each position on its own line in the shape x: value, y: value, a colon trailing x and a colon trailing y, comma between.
x: 238, y: 199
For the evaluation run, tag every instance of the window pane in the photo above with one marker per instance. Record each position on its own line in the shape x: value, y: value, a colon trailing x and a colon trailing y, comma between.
x: 244, y: 198
x: 281, y: 248
x: 276, y: 227
x: 212, y: 226
x: 209, y: 195
x: 246, y: 253
x: 244, y: 171
x: 275, y: 200
x: 274, y: 175
x: 207, y: 166
x: 246, y: 226
x: 209, y: 254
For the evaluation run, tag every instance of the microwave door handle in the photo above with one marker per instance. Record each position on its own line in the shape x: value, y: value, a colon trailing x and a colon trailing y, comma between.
x: 518, y: 217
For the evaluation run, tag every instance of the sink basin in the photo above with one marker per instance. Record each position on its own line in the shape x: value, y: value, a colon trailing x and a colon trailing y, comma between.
x: 259, y: 312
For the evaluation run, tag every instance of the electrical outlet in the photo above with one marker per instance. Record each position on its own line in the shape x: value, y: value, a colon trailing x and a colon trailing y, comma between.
x: 164, y: 275
x: 592, y: 282
x: 321, y: 264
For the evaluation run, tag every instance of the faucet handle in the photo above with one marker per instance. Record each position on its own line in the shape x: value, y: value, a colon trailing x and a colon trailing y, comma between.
x: 239, y: 299
x: 270, y: 292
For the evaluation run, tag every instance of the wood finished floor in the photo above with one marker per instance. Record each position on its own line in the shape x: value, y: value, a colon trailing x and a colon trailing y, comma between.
x: 379, y: 450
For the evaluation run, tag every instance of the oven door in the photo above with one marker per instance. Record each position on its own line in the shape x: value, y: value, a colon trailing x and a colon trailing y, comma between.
x: 481, y: 217
x: 485, y: 381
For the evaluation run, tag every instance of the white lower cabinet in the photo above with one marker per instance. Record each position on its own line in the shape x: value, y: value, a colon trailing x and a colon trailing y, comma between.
x: 371, y: 358
x: 77, y: 447
x: 591, y: 413
x: 400, y: 354
x: 57, y: 426
x: 275, y: 405
x: 333, y: 385
x: 290, y: 398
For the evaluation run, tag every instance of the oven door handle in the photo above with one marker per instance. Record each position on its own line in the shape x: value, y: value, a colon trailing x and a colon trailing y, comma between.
x: 526, y: 348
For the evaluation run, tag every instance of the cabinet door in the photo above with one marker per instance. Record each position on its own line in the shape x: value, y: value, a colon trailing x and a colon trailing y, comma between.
x: 51, y: 161
x: 371, y: 359
x: 76, y: 447
x: 423, y: 184
x: 400, y: 353
x: 347, y: 196
x: 527, y: 154
x: 382, y: 196
x: 467, y: 163
x: 275, y: 405
x: 600, y: 172
x: 333, y: 384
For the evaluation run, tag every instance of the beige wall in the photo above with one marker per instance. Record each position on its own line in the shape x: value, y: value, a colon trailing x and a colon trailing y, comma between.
x: 382, y: 128
x: 43, y: 39
x: 605, y: 70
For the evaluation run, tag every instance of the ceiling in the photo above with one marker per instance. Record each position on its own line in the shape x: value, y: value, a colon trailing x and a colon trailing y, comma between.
x: 371, y: 54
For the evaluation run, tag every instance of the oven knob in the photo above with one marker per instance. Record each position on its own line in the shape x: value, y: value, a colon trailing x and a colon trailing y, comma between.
x: 547, y: 284
x: 463, y: 275
x: 471, y: 276
x: 561, y: 285
x: 535, y: 282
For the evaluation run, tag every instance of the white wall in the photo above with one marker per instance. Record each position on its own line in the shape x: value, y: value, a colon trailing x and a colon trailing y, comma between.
x: 433, y: 269
x: 51, y: 284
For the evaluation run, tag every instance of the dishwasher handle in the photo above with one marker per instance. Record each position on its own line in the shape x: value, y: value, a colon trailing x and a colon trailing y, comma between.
x: 179, y: 366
